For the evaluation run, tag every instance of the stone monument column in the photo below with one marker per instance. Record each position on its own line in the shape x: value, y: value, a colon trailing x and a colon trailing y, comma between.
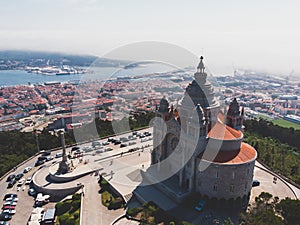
x: 65, y: 165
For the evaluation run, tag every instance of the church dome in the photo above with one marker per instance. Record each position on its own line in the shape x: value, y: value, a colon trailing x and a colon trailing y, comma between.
x: 200, y: 90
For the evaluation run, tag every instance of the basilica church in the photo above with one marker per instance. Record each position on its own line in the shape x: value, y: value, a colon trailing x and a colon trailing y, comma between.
x: 199, y: 148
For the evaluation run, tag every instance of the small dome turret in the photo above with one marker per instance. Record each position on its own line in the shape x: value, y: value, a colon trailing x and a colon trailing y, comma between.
x: 163, y: 105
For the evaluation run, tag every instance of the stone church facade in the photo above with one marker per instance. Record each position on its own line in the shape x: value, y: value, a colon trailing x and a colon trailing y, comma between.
x: 198, y: 148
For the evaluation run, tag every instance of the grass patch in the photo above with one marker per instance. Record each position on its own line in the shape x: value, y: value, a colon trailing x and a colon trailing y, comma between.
x: 286, y: 124
x: 68, y: 212
x: 110, y: 201
x: 106, y: 198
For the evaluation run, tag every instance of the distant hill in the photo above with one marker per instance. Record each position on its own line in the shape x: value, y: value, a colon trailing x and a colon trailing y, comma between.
x: 33, y: 58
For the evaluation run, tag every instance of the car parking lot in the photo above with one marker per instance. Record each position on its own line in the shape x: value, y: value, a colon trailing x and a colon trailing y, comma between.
x: 24, y: 204
x: 20, y: 186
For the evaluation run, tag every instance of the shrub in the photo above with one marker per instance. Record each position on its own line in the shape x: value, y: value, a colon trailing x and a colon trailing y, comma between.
x: 105, y: 196
x: 76, y: 215
x: 134, y: 211
x: 76, y: 197
x: 69, y: 221
x: 75, y: 206
x: 116, y: 203
x: 63, y: 218
x: 103, y: 183
x: 62, y: 207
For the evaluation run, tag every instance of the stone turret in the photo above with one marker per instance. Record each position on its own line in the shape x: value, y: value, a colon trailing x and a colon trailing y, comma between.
x: 234, y: 116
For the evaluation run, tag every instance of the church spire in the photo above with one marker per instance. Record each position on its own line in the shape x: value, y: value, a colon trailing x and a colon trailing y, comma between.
x: 200, y: 67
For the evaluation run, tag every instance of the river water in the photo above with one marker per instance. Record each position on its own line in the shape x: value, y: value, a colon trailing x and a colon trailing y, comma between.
x: 20, y: 77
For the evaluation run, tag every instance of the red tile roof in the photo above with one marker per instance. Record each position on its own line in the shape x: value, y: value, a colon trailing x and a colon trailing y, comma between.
x: 245, y: 154
x: 224, y: 132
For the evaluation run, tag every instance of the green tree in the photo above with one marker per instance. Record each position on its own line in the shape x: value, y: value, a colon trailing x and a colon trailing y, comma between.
x: 290, y: 210
x: 228, y: 222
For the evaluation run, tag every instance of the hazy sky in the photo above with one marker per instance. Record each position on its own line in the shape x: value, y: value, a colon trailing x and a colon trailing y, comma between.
x: 258, y: 34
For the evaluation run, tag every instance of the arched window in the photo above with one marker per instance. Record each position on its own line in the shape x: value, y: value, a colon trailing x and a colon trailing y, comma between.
x: 215, y: 188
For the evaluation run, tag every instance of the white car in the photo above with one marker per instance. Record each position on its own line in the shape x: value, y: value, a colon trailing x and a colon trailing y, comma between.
x: 28, y: 180
x: 9, y: 211
x: 58, y: 155
x: 27, y: 169
x: 12, y: 199
x: 21, y: 182
x: 86, y: 149
x: 49, y: 158
x: 9, y: 203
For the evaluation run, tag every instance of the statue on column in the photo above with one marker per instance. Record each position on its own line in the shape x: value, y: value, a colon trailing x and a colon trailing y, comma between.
x: 65, y: 165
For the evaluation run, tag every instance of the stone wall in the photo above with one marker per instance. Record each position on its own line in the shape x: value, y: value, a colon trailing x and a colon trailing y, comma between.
x: 225, y: 180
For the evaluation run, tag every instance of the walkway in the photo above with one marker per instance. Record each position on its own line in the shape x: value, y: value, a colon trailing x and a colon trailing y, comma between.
x: 94, y: 213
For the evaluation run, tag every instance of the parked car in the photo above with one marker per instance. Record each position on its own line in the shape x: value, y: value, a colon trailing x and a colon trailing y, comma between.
x: 124, y: 139
x: 21, y: 182
x: 9, y: 203
x: 86, y: 149
x: 147, y: 133
x: 49, y: 158
x: 75, y: 148
x: 98, y: 147
x: 19, y: 176
x: 9, y: 211
x: 123, y: 145
x: 4, y: 223
x: 200, y: 205
x: 142, y: 136
x: 105, y: 143
x: 46, y: 153
x: 11, y: 183
x: 10, y: 196
x: 130, y: 136
x: 28, y: 180
x: 31, y: 191
x: 95, y: 143
x: 58, y: 155
x: 255, y: 183
x: 27, y: 169
x: 12, y: 199
x: 42, y: 158
x: 110, y: 139
x: 10, y: 177
x: 9, y: 207
x: 39, y: 162
x: 117, y: 142
x: 5, y: 217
